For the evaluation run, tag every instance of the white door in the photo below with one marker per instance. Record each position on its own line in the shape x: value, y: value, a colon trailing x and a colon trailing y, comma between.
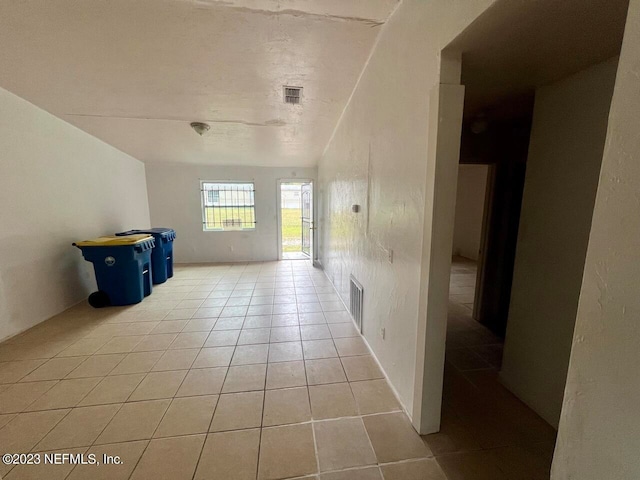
x: 307, y: 220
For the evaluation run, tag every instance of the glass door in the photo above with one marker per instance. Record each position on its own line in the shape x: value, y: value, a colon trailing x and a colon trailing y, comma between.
x: 307, y: 219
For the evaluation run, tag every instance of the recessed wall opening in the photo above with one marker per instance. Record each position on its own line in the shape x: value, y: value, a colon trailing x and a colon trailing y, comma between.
x: 295, y: 220
x: 490, y: 182
x: 533, y: 132
x: 467, y: 235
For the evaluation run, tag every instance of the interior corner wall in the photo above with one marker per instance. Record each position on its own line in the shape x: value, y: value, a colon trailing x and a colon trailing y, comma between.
x: 470, y: 196
x: 598, y: 435
x: 58, y: 185
x: 377, y: 158
x: 565, y: 153
x: 175, y: 201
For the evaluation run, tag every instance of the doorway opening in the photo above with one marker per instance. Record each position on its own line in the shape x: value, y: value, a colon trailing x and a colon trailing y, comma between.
x: 295, y: 220
x: 538, y: 125
x: 470, y: 217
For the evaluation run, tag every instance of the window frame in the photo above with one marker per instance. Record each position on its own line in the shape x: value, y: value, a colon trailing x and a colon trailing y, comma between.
x: 204, y: 204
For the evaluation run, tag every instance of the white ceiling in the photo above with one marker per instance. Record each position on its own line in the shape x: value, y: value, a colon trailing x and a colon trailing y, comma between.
x: 135, y: 73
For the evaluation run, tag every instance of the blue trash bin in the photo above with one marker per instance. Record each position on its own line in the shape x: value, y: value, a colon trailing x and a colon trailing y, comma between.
x: 123, y: 268
x: 162, y: 254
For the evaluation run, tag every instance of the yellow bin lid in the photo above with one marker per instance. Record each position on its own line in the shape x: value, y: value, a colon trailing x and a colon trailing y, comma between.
x: 114, y: 241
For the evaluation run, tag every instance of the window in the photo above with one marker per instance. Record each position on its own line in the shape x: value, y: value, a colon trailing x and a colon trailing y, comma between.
x: 228, y: 206
x: 213, y: 197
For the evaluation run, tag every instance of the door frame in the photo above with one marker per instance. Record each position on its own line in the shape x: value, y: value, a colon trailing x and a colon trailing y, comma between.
x: 314, y: 230
x: 484, y: 237
x: 446, y: 105
x: 306, y: 219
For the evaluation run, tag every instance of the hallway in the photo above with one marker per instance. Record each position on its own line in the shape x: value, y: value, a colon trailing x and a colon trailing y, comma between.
x: 486, y: 432
x: 239, y: 371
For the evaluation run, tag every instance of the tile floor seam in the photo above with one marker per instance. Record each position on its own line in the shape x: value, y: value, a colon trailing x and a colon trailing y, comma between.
x: 32, y: 450
x: 152, y: 434
x: 96, y: 438
x: 80, y: 401
x: 128, y: 400
x: 107, y: 424
x: 313, y: 430
x: 204, y: 443
x: 264, y: 399
x: 370, y: 442
x: 114, y: 367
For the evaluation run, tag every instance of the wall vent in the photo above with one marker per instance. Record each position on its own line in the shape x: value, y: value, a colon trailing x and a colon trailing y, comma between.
x: 355, y: 301
x: 292, y: 95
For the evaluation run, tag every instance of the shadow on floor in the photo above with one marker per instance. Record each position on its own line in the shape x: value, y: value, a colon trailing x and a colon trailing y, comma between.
x: 486, y: 433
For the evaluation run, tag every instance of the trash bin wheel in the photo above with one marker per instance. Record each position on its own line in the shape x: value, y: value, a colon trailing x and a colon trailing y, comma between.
x: 99, y: 299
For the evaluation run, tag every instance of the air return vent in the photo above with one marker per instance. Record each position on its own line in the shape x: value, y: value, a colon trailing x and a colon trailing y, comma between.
x: 292, y: 95
x: 355, y: 301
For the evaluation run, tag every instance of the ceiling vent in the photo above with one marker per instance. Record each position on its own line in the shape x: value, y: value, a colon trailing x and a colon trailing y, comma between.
x: 292, y: 95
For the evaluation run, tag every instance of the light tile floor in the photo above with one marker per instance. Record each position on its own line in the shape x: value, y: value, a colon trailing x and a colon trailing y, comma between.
x: 486, y: 432
x: 252, y: 371
x: 229, y: 372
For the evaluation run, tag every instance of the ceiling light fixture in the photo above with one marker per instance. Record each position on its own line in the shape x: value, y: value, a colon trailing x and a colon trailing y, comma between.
x: 200, y: 128
x: 480, y: 124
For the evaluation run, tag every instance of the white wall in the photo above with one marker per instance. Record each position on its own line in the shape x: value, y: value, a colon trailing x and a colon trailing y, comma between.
x: 57, y: 185
x: 599, y: 429
x: 175, y: 202
x: 467, y: 233
x: 563, y: 165
x: 377, y: 158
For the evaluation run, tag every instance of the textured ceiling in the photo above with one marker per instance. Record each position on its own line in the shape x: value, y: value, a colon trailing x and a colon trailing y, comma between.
x: 135, y: 73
